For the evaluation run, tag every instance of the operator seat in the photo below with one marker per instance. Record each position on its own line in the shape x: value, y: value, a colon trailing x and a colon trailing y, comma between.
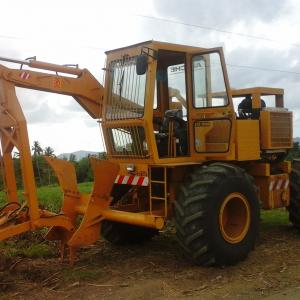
x: 179, y: 132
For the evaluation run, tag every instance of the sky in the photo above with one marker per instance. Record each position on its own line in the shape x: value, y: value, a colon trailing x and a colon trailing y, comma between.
x: 260, y: 39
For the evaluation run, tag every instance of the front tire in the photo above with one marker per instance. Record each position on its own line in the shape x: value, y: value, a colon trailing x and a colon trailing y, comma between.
x: 217, y: 215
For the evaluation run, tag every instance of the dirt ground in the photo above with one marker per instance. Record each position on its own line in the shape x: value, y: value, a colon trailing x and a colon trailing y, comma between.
x: 157, y: 270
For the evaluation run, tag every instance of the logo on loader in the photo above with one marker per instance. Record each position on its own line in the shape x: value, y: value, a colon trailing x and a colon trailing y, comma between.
x: 57, y: 83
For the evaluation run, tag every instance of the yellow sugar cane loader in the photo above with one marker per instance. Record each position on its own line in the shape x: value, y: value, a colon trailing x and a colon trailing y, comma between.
x: 176, y: 148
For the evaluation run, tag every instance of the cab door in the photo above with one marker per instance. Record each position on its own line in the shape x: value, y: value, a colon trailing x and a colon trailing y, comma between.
x: 211, y: 114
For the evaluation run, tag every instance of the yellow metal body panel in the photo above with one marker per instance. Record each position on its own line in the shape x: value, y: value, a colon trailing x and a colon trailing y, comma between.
x: 247, y: 140
x: 140, y: 169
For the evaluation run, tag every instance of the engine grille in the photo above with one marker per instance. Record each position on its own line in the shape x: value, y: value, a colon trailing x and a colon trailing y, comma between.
x: 281, y: 129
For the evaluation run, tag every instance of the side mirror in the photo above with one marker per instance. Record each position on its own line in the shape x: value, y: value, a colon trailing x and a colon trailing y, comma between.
x: 141, y: 64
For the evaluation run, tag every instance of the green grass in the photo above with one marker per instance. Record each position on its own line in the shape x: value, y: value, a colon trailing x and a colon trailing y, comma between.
x: 50, y: 197
x: 274, y: 217
x: 29, y: 249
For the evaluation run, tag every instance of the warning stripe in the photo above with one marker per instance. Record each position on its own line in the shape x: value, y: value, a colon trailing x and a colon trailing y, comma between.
x: 135, y: 180
x: 279, y: 184
x: 140, y: 181
x: 119, y: 179
x: 132, y: 180
x: 24, y: 75
x: 287, y: 182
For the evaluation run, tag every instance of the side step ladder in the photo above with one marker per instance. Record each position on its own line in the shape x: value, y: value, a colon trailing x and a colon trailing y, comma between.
x: 158, y: 191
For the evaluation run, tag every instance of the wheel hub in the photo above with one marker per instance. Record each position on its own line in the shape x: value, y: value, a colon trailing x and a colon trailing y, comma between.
x: 234, y: 218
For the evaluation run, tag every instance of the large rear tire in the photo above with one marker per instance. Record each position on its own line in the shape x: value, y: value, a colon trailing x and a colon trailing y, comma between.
x: 121, y: 233
x: 217, y: 215
x: 294, y: 207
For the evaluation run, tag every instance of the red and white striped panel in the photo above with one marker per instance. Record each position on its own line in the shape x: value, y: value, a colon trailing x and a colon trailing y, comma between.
x: 132, y: 180
x: 24, y: 75
x: 279, y: 184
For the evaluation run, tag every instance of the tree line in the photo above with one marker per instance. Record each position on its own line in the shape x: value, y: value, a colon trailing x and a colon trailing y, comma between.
x: 43, y: 173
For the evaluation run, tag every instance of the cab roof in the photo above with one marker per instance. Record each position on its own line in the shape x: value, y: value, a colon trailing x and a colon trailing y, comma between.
x: 159, y: 45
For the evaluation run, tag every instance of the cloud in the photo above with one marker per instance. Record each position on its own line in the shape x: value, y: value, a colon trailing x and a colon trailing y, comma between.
x: 89, y: 122
x: 221, y: 13
x: 44, y: 108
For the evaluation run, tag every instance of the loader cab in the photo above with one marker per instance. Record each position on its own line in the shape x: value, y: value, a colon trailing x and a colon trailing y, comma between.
x: 167, y: 102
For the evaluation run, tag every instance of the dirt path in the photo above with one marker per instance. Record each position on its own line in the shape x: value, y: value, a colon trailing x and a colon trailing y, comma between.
x: 157, y: 270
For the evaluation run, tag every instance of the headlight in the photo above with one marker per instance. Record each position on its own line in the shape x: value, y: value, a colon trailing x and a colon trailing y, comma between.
x: 130, y: 168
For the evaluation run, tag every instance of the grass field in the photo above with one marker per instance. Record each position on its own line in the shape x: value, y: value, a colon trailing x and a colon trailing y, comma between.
x: 50, y: 197
x: 32, y: 245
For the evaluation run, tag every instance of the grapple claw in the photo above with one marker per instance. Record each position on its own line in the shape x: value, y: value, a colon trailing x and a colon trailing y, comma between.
x: 89, y: 206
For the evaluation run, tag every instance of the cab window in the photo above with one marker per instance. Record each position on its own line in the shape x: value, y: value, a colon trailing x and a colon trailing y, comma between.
x: 209, y: 88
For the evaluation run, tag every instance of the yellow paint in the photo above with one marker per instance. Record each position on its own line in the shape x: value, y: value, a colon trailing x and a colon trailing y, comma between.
x: 247, y: 136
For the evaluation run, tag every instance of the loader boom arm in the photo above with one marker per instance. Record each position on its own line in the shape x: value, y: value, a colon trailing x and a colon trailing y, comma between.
x: 16, y: 218
x: 83, y: 86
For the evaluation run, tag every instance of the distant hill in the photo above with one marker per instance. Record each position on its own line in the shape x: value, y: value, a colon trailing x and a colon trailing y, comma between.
x: 78, y: 154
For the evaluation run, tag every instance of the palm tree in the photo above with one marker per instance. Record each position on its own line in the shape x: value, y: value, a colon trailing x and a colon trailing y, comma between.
x: 37, y: 149
x: 37, y: 152
x: 48, y: 151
